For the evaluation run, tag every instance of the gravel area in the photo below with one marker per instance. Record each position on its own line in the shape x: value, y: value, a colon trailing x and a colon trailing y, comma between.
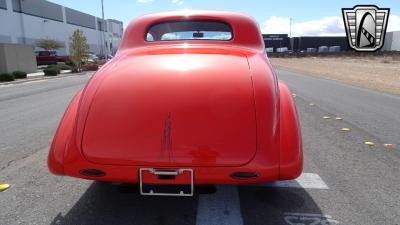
x: 377, y: 73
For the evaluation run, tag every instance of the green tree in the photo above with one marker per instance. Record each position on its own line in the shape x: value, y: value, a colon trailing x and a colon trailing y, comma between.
x: 49, y: 44
x: 78, y: 48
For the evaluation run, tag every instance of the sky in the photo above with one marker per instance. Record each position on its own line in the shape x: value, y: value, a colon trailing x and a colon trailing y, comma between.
x: 309, y: 17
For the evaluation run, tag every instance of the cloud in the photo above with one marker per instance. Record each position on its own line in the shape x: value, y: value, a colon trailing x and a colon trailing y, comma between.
x: 144, y: 1
x: 327, y: 26
x: 171, y: 36
x: 177, y: 2
x: 221, y: 36
x: 393, y: 23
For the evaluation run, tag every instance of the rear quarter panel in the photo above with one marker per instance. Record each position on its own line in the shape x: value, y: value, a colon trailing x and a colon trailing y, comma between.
x: 291, y: 155
x: 63, y: 136
x: 266, y: 97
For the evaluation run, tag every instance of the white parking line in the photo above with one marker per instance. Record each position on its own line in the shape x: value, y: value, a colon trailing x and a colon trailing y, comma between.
x: 306, y: 180
x: 23, y: 83
x: 221, y: 208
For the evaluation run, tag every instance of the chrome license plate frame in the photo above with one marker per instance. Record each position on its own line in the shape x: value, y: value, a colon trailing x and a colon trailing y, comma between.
x: 168, y: 172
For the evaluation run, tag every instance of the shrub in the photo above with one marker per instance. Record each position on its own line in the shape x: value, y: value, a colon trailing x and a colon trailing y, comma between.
x: 50, y: 72
x: 6, y: 77
x: 54, y: 67
x: 64, y: 67
x: 60, y: 66
x: 19, y: 74
x: 101, y: 61
x: 90, y: 67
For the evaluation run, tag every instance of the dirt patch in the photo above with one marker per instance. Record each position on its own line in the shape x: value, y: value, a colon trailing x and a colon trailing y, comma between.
x: 377, y: 73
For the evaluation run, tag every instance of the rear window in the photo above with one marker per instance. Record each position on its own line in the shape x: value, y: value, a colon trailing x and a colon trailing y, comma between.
x: 189, y: 30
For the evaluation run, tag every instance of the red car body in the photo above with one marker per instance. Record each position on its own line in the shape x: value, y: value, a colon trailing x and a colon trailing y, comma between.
x: 213, y: 107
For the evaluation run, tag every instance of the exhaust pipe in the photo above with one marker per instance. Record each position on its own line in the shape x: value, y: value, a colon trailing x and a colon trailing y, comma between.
x: 244, y: 175
x: 92, y: 172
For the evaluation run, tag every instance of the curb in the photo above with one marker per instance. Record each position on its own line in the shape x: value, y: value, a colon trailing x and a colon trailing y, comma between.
x: 44, y: 78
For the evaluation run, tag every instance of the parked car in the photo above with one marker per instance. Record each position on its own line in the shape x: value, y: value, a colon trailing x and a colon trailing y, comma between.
x: 189, y: 99
x: 50, y: 57
x: 91, y: 57
x: 102, y: 57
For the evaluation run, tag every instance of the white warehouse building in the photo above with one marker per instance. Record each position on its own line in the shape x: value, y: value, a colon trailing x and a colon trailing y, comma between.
x: 27, y: 21
x: 392, y: 41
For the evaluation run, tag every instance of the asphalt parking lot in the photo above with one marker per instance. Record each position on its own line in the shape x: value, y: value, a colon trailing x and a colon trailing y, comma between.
x: 345, y: 181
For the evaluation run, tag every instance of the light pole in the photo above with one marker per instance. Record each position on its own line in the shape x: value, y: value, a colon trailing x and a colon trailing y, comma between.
x: 290, y: 35
x: 103, y: 27
x: 22, y: 22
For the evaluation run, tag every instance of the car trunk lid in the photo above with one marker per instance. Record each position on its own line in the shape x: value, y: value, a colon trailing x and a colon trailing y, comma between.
x: 173, y: 110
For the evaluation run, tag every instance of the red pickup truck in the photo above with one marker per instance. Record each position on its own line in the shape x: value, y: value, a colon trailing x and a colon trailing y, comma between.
x: 50, y: 57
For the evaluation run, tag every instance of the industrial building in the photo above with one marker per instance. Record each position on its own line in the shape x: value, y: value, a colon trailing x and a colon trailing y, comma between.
x: 27, y: 21
x: 307, y: 42
x: 277, y: 42
x: 392, y: 41
x: 297, y: 44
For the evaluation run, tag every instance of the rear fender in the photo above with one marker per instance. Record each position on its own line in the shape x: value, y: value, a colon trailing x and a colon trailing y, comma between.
x: 291, y: 150
x: 63, y: 136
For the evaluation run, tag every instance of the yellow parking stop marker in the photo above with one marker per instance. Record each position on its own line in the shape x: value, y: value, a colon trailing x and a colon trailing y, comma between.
x: 388, y: 145
x: 4, y: 187
x: 370, y: 143
x: 345, y: 129
x: 338, y: 118
x: 326, y: 117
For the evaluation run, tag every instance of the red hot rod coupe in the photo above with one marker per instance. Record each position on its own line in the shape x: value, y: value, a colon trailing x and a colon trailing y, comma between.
x: 190, y: 98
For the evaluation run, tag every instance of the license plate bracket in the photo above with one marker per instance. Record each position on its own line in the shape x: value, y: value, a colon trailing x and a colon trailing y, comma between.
x: 152, y: 181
